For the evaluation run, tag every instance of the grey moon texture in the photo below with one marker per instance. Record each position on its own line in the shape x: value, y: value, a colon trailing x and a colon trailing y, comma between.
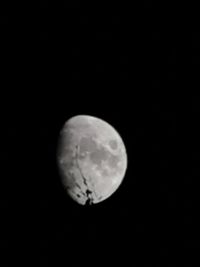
x: 92, y: 159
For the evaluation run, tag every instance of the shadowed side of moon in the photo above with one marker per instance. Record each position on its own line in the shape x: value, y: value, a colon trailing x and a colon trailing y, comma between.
x: 92, y: 159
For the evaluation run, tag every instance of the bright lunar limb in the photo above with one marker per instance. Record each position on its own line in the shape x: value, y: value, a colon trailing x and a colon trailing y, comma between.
x: 92, y: 159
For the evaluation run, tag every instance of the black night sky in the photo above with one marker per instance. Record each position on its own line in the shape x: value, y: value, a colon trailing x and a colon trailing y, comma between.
x: 129, y: 70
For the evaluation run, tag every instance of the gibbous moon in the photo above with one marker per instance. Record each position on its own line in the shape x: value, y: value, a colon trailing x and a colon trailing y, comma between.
x: 92, y: 159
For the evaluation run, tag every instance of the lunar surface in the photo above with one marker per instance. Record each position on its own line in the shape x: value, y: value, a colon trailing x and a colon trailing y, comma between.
x: 92, y: 159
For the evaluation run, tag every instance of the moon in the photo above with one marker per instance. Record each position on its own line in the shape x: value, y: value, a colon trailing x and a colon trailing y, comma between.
x: 92, y: 159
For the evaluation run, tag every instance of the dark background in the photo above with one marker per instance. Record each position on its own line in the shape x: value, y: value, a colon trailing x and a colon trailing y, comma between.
x: 134, y: 69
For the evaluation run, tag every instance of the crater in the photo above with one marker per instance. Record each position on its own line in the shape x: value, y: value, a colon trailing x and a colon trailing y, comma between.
x: 113, y: 144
